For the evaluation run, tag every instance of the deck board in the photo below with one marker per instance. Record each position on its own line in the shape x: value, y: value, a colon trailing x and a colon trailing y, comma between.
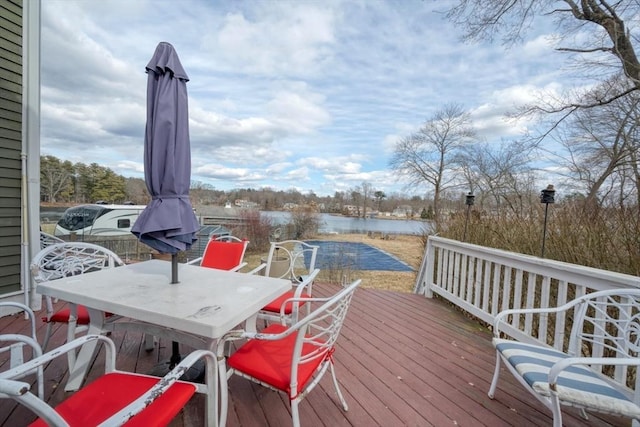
x: 402, y: 359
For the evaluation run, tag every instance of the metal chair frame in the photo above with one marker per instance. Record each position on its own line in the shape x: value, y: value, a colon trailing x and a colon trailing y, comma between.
x: 63, y: 260
x: 214, y: 254
x: 296, y: 270
x: 591, y: 374
x: 310, y: 341
x: 18, y: 343
x: 20, y: 391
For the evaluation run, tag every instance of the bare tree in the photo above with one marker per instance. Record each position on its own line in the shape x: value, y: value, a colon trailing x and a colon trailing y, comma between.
x: 367, y: 188
x: 56, y: 179
x: 356, y: 194
x: 500, y: 171
x: 595, y: 29
x: 603, y: 144
x: 430, y: 154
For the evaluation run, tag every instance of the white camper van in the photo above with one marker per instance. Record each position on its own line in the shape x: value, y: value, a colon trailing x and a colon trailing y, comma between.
x: 98, y: 220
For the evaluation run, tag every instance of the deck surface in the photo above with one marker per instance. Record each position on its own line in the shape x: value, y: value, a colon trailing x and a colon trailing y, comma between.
x: 401, y: 359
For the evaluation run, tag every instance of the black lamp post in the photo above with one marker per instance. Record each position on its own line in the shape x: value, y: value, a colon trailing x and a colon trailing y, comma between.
x: 469, y: 202
x: 546, y: 196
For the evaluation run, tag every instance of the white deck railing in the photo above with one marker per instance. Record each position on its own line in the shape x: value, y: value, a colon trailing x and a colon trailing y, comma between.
x: 484, y: 281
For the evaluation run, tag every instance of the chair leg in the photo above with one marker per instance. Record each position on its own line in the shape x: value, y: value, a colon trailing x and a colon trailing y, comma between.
x: 224, y: 390
x: 496, y: 374
x: 295, y: 415
x: 555, y: 409
x: 335, y: 383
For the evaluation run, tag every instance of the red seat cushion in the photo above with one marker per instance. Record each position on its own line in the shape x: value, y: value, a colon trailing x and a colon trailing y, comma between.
x: 110, y: 393
x: 274, y: 306
x: 270, y: 361
x: 62, y: 316
x: 223, y: 255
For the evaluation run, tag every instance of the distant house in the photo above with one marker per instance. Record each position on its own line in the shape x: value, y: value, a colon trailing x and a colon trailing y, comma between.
x: 19, y: 148
x: 246, y: 204
x: 403, y: 211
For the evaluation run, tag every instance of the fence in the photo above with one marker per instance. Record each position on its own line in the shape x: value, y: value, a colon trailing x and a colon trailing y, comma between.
x: 484, y: 281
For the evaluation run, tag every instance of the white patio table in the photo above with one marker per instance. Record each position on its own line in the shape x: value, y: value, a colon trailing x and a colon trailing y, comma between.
x: 203, y: 306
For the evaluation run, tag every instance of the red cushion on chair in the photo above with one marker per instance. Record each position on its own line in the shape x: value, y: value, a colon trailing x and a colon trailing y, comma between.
x: 111, y: 392
x: 223, y: 255
x: 274, y: 306
x: 62, y: 316
x: 270, y: 361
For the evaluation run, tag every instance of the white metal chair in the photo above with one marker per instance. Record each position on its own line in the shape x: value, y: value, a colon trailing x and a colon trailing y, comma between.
x: 293, y: 359
x: 294, y: 260
x: 599, y: 364
x: 17, y: 344
x: 115, y: 398
x: 289, y: 259
x: 69, y: 259
x: 223, y: 253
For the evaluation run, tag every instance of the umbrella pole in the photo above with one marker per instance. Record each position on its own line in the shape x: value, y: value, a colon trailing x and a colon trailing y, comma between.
x: 174, y: 268
x: 175, y: 355
x: 175, y: 348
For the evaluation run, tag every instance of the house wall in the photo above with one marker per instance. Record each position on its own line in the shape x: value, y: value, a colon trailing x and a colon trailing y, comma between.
x: 11, y: 88
x: 19, y: 148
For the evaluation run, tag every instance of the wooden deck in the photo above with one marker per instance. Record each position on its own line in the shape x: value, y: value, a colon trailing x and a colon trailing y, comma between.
x: 401, y: 360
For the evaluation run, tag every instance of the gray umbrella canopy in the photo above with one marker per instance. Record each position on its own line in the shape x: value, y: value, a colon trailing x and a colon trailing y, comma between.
x: 168, y: 223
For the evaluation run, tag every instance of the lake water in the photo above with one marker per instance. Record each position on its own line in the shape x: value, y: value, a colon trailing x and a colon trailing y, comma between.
x: 328, y: 223
x: 342, y: 224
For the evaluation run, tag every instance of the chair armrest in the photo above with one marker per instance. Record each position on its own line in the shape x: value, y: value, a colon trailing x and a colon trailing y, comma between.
x: 501, y: 316
x: 563, y: 364
x: 242, y: 334
x: 306, y: 284
x: 13, y: 388
x: 23, y: 339
x: 135, y: 407
x: 32, y: 364
x: 257, y: 269
x: 19, y: 391
x: 195, y: 261
x: 239, y: 266
x: 234, y: 335
x: 28, y: 312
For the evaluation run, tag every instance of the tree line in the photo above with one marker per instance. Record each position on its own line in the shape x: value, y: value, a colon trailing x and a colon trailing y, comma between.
x: 64, y: 182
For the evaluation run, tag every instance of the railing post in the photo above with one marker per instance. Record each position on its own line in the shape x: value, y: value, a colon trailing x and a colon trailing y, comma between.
x: 424, y: 280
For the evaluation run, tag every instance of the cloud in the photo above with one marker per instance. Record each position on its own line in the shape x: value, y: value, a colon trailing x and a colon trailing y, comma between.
x: 281, y: 94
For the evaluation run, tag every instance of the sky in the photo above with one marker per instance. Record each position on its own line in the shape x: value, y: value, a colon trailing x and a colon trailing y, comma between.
x: 305, y: 95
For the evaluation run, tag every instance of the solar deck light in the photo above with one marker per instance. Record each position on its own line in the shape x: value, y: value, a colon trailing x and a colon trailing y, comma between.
x: 469, y: 202
x: 547, y: 196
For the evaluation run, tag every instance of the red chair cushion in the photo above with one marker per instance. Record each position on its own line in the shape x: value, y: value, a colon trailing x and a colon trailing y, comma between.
x: 223, y: 255
x: 274, y: 306
x: 270, y: 361
x: 111, y: 392
x: 62, y: 316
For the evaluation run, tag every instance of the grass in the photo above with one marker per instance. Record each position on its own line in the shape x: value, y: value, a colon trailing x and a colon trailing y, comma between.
x: 409, y: 249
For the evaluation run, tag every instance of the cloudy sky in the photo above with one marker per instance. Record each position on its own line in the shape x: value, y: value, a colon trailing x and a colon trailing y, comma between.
x: 310, y: 95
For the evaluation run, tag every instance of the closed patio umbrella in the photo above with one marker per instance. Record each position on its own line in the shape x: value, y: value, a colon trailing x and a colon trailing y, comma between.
x: 168, y: 223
